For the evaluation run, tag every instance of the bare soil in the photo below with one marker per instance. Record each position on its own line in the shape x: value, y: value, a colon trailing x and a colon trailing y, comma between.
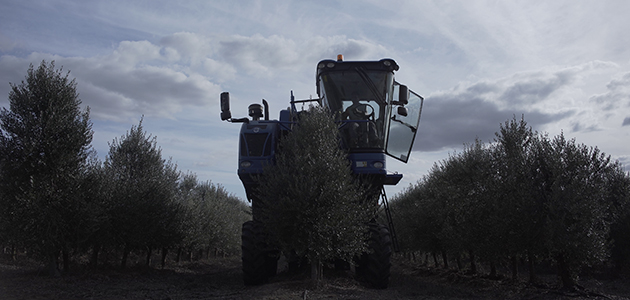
x: 220, y: 278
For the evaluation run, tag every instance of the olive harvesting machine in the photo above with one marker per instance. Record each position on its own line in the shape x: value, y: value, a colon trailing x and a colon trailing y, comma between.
x: 376, y: 116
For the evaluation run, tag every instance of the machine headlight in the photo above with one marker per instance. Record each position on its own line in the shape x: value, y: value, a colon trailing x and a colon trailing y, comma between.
x: 330, y: 65
x: 378, y: 165
x: 246, y: 164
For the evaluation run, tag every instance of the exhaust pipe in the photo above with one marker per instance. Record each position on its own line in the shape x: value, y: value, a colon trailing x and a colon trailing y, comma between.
x: 266, y: 109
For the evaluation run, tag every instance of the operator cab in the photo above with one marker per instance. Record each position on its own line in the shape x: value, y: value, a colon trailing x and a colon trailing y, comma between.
x: 376, y: 114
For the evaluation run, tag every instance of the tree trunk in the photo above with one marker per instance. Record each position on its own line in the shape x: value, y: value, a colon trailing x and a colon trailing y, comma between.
x: 94, y: 257
x: 179, y: 255
x: 164, y: 253
x: 123, y: 261
x: 514, y: 267
x: 66, y: 259
x: 445, y: 259
x: 458, y: 259
x: 435, y: 260
x: 493, y: 270
x: 104, y: 254
x: 53, y: 269
x: 149, y: 253
x: 317, y: 272
x: 473, y: 264
x: 530, y: 264
x: 565, y: 274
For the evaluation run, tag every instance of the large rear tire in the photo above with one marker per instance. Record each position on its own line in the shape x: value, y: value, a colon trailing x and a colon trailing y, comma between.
x: 374, y: 266
x: 260, y: 262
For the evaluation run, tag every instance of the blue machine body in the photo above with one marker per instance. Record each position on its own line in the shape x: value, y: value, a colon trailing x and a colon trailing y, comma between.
x: 258, y: 143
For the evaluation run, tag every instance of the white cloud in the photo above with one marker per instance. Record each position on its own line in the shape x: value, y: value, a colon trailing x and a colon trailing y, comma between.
x: 142, y: 78
x: 189, y: 45
x: 134, y: 79
x: 475, y: 110
x: 259, y: 56
x: 130, y: 54
x: 617, y: 95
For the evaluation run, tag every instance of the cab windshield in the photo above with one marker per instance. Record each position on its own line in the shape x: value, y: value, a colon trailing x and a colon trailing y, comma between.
x: 358, y: 98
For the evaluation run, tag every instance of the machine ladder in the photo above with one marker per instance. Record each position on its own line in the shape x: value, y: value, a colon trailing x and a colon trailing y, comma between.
x: 390, y: 223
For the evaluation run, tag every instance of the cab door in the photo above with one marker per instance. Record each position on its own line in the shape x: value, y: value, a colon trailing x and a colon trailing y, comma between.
x: 403, y: 121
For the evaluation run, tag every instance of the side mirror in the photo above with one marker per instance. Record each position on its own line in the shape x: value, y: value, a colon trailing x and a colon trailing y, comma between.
x: 402, y: 111
x: 225, y: 106
x: 403, y: 94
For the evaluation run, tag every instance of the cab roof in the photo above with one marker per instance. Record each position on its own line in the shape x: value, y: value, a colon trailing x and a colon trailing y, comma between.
x: 385, y: 64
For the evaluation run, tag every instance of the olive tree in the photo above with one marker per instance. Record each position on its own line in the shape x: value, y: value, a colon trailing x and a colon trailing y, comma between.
x: 212, y: 217
x: 44, y: 144
x: 516, y: 165
x: 143, y: 212
x: 576, y: 206
x: 312, y: 203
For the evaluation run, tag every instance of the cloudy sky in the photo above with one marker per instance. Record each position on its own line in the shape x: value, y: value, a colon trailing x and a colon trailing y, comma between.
x: 563, y: 65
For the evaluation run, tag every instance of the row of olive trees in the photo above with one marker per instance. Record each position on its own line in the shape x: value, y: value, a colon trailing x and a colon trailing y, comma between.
x: 57, y: 198
x: 524, y: 196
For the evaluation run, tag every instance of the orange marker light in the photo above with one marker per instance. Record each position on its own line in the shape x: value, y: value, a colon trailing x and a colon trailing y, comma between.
x: 339, y: 57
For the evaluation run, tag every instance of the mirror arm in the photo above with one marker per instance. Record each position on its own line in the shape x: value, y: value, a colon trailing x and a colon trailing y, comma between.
x: 240, y: 120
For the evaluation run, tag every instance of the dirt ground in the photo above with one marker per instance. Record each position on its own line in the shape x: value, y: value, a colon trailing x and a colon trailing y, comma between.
x: 221, y: 279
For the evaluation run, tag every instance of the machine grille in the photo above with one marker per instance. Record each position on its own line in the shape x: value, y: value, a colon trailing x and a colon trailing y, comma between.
x: 255, y: 144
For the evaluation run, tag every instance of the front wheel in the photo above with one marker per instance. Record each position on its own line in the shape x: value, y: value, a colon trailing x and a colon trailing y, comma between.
x: 374, y: 266
x: 260, y: 262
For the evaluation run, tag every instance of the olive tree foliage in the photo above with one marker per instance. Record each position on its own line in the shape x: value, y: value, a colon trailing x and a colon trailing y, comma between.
x: 512, y: 165
x: 576, y: 205
x: 212, y: 218
x: 453, y: 215
x: 517, y: 202
x: 142, y: 209
x: 412, y: 214
x: 525, y: 195
x: 96, y: 222
x: 44, y: 144
x: 469, y: 218
x: 619, y: 198
x: 419, y: 218
x: 311, y: 204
